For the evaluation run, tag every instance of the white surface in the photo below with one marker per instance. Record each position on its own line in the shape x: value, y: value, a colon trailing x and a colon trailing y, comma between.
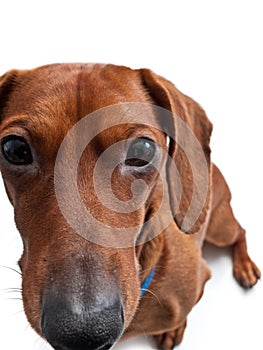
x: 211, y: 51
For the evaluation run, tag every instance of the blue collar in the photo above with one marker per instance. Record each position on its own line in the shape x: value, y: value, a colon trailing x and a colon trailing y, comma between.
x: 147, y: 282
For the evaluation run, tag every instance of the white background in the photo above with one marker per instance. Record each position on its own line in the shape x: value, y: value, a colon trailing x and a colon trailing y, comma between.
x: 212, y: 51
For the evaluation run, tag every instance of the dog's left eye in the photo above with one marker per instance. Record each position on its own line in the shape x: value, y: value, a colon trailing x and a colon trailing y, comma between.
x: 16, y: 150
x: 140, y: 153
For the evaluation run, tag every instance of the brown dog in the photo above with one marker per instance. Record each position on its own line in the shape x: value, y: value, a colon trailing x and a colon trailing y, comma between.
x: 80, y: 289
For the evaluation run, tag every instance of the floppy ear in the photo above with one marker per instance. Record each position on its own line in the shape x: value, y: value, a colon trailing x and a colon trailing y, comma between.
x: 189, y: 130
x: 7, y: 83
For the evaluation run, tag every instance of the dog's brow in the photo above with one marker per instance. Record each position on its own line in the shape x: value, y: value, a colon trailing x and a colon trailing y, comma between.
x: 18, y: 120
x: 26, y: 122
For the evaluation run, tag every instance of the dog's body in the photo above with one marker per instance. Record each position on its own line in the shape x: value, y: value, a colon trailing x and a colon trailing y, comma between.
x: 79, y: 294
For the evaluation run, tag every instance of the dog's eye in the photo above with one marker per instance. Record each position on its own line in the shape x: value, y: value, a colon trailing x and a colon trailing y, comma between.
x: 140, y: 153
x: 16, y: 151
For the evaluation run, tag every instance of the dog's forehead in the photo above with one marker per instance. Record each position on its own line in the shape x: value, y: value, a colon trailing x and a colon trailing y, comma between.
x: 48, y: 101
x: 74, y: 90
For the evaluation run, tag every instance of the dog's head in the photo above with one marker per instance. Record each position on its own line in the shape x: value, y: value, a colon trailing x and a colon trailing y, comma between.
x: 66, y: 131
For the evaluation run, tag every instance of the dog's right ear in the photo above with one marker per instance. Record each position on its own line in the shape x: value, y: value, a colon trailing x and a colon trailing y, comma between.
x: 7, y: 84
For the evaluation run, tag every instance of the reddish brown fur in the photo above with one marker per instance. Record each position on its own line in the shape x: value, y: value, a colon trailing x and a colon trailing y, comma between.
x: 42, y: 105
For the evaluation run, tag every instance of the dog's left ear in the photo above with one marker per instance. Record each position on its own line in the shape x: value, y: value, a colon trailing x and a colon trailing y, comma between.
x: 189, y: 130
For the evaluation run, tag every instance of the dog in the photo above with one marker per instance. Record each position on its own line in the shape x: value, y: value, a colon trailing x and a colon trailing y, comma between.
x: 88, y: 281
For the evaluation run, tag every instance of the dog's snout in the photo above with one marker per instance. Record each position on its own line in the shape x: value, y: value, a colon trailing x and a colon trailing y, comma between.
x: 72, y: 324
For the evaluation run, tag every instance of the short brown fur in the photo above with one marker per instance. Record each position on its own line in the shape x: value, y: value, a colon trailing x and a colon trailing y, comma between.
x: 42, y: 105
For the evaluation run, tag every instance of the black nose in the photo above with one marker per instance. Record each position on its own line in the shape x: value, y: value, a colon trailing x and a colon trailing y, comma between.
x: 70, y: 324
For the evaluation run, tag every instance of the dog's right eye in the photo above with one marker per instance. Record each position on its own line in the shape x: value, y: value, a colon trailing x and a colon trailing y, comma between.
x: 140, y: 153
x: 16, y: 150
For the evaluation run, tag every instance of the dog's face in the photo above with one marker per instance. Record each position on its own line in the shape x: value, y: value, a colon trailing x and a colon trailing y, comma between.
x: 81, y: 279
x: 74, y: 289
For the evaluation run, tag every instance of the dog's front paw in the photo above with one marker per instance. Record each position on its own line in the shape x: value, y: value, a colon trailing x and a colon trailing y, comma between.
x: 246, y: 272
x: 168, y: 340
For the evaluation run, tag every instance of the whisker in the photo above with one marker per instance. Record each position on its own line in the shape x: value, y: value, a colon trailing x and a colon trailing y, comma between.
x: 28, y: 326
x: 40, y: 343
x: 12, y: 269
x: 18, y: 312
x: 11, y: 290
x: 154, y: 295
